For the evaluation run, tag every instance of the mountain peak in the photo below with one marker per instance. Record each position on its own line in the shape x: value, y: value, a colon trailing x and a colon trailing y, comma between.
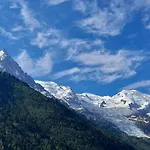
x: 3, y: 54
x: 4, y: 51
x: 58, y: 91
x: 127, y: 92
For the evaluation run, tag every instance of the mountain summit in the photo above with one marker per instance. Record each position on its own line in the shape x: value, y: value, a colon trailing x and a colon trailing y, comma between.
x: 3, y: 54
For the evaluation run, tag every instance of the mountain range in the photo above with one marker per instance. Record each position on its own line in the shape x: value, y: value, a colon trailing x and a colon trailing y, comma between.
x: 128, y: 110
x: 125, y: 109
x: 31, y: 121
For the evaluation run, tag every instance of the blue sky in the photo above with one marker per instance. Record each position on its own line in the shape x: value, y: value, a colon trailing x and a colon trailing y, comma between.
x: 94, y: 46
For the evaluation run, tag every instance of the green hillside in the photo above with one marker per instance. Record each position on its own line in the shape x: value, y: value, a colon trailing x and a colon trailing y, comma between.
x: 30, y: 121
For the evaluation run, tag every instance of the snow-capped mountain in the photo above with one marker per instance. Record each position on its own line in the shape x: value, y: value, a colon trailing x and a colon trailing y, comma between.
x: 7, y: 64
x: 131, y: 99
x: 60, y: 92
x: 121, y: 109
x: 124, y: 109
x: 63, y: 93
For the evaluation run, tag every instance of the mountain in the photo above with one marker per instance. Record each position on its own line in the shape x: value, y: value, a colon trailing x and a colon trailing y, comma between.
x: 128, y: 110
x: 7, y: 64
x: 63, y: 93
x: 99, y: 110
x: 29, y: 120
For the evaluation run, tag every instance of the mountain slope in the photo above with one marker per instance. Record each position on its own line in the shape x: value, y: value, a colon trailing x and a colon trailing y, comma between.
x: 124, y: 109
x: 63, y: 93
x: 30, y: 121
x: 7, y: 64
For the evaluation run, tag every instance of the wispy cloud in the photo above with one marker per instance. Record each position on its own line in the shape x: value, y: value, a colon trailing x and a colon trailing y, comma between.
x: 27, y: 15
x: 106, y: 21
x: 17, y: 28
x: 8, y: 34
x: 76, y: 46
x: 13, y: 4
x: 79, y: 5
x: 109, y: 20
x: 66, y: 73
x: 146, y: 21
x: 35, y: 67
x: 56, y: 2
x: 106, y: 67
x: 86, y: 7
x: 47, y: 38
x: 110, y: 62
x: 53, y: 37
x: 140, y: 84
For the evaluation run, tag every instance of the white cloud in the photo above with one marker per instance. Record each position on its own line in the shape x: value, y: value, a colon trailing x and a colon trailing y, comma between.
x: 56, y: 2
x: 110, y: 62
x: 86, y: 7
x: 69, y: 47
x: 8, y: 34
x: 76, y: 46
x: 47, y: 38
x: 17, y: 28
x: 140, y: 84
x: 104, y: 23
x: 109, y: 20
x: 106, y: 67
x: 27, y: 15
x: 13, y: 5
x: 35, y: 67
x: 66, y: 73
x: 79, y: 5
x: 146, y: 20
